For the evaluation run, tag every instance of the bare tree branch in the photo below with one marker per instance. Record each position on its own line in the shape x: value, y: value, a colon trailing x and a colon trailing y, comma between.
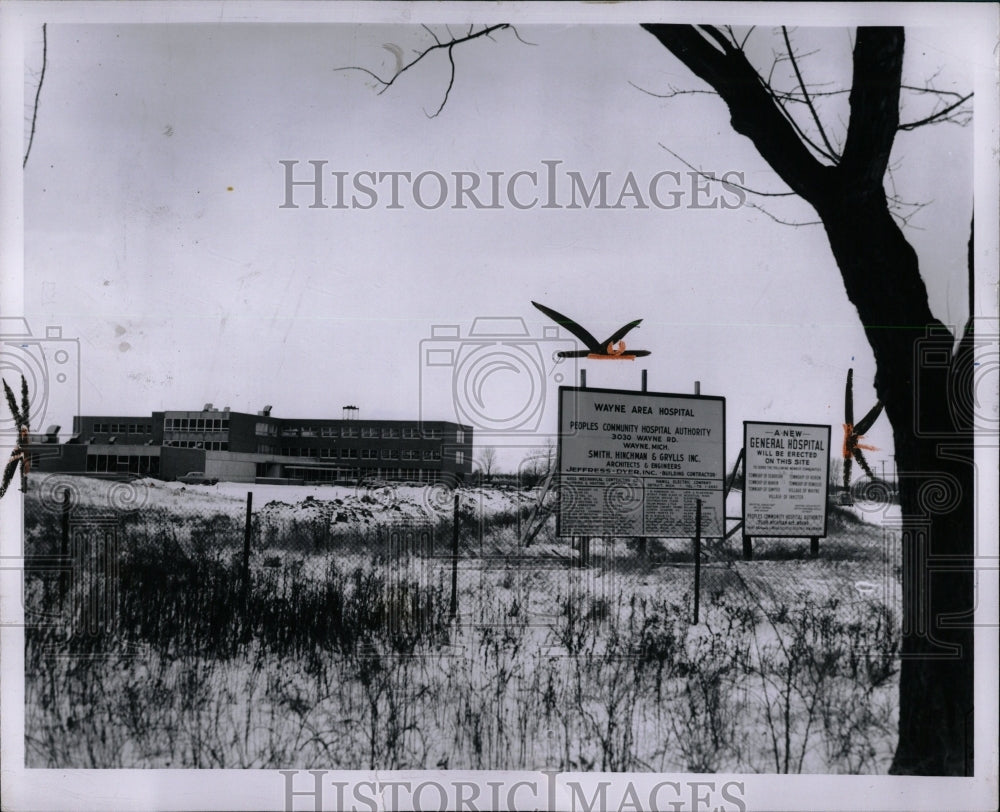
x: 724, y: 43
x: 743, y: 42
x: 673, y: 92
x: 831, y: 152
x: 831, y: 156
x: 38, y: 93
x: 754, y: 111
x: 782, y: 222
x: 874, y: 100
x: 447, y: 46
x: 710, y: 177
x: 934, y: 91
x: 940, y: 115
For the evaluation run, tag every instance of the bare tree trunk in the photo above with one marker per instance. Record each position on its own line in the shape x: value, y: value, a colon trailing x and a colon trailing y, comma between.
x: 923, y: 390
x: 917, y: 378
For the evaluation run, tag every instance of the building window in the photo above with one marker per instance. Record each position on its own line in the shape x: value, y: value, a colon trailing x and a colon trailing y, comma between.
x: 460, y: 436
x: 433, y: 434
x: 409, y: 455
x: 459, y: 457
x: 369, y: 453
x: 369, y: 433
x: 432, y: 455
x: 411, y: 434
x: 390, y: 453
x: 348, y: 431
x: 328, y: 431
x: 349, y: 453
x: 389, y: 433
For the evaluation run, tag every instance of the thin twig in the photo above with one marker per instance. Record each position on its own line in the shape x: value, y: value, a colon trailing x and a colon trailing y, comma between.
x: 781, y: 222
x: 438, y: 45
x: 707, y: 176
x: 939, y: 116
x: 805, y: 95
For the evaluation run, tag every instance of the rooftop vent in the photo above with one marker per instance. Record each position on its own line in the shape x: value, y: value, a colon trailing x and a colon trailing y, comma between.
x: 207, y: 407
x: 266, y: 411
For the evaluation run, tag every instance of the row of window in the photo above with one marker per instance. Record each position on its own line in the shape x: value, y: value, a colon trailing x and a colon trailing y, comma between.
x: 119, y: 464
x: 209, y: 445
x: 365, y: 432
x: 196, y: 424
x: 123, y: 428
x: 354, y: 474
x: 354, y: 453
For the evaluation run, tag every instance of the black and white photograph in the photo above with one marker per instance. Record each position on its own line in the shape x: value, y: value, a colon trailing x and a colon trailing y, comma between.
x: 499, y: 406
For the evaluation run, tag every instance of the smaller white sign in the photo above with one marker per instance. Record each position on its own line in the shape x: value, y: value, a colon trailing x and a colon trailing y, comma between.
x: 787, y: 469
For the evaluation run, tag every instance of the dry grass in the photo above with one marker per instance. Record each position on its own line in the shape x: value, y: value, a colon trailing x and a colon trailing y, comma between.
x: 342, y: 654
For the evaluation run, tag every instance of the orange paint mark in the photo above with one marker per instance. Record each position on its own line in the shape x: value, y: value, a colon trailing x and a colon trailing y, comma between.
x: 851, y: 441
x: 614, y: 353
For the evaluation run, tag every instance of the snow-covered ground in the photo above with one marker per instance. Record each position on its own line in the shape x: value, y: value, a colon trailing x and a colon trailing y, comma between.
x: 340, y: 504
x: 362, y: 503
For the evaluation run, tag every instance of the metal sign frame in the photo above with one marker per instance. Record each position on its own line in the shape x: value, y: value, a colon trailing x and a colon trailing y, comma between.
x: 748, y: 462
x: 565, y: 436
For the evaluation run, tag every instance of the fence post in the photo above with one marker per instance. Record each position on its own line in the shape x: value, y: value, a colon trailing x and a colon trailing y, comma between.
x: 747, y: 548
x: 246, y: 545
x: 697, y: 558
x: 64, y: 576
x: 641, y: 543
x: 454, y: 561
x: 814, y: 547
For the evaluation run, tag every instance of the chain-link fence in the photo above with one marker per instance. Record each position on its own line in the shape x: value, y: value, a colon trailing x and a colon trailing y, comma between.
x: 392, y: 594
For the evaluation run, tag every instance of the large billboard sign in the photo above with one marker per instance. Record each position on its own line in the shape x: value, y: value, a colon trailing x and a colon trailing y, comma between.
x: 635, y: 463
x: 787, y: 470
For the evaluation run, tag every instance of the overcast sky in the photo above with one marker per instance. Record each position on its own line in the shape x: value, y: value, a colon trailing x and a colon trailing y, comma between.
x: 154, y: 231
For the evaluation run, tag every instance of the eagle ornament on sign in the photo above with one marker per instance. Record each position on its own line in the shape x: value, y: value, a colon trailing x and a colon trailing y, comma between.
x: 611, y: 349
